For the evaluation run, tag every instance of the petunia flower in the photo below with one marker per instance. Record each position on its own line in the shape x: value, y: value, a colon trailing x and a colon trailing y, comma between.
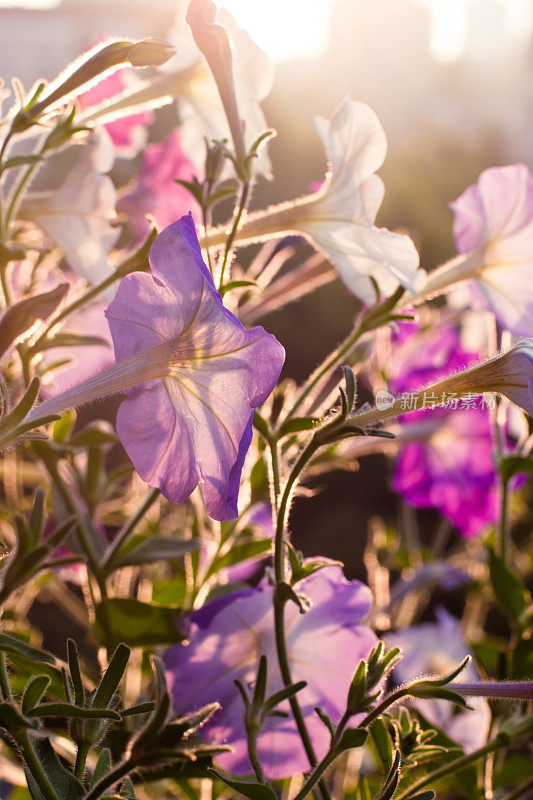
x: 437, y: 648
x: 324, y: 647
x: 79, y: 215
x: 200, y: 106
x: 192, y: 375
x: 493, y: 230
x: 157, y: 192
x: 445, y: 459
x: 338, y: 219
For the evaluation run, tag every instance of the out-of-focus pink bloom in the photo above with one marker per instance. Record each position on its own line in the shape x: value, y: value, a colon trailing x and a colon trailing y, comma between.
x: 157, y: 192
x: 493, y: 229
x: 446, y: 453
x: 229, y: 635
x: 436, y: 649
x: 129, y: 133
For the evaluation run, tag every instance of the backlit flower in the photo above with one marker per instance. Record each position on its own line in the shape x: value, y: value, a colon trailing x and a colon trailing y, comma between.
x: 339, y: 218
x: 79, y: 215
x: 493, y: 229
x: 324, y: 647
x: 193, y: 423
x: 192, y: 375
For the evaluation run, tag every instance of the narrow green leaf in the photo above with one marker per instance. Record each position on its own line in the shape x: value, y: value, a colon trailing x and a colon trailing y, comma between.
x: 33, y: 692
x: 155, y: 548
x: 66, y: 786
x: 228, y: 287
x: 37, y: 514
x: 75, y: 674
x: 352, y: 738
x: 103, y: 766
x: 19, y: 161
x: 112, y: 677
x: 10, y: 644
x: 509, y: 591
x: 240, y: 552
x: 255, y: 791
x: 382, y: 741
x: 136, y: 623
x: 67, y: 710
x: 295, y: 425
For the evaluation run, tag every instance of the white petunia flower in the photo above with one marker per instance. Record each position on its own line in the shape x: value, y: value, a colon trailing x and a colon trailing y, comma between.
x: 339, y: 218
x: 78, y: 216
x: 199, y: 104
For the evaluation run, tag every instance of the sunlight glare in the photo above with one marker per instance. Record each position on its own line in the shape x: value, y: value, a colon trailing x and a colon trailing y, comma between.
x: 284, y: 28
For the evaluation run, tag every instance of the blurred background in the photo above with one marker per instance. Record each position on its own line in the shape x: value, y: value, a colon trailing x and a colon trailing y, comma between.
x: 452, y: 82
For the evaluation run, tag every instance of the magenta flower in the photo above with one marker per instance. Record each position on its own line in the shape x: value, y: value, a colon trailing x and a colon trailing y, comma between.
x: 436, y: 648
x: 446, y: 453
x: 190, y: 421
x: 157, y: 192
x: 493, y: 227
x: 229, y: 635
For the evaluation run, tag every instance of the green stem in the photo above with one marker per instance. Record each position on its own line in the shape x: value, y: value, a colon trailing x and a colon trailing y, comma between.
x: 279, y: 602
x: 34, y: 765
x: 81, y: 758
x: 453, y: 766
x: 274, y: 463
x: 120, y: 771
x: 233, y: 232
x: 5, y: 686
x: 3, y: 229
x: 128, y: 528
x: 251, y: 739
x: 504, y: 522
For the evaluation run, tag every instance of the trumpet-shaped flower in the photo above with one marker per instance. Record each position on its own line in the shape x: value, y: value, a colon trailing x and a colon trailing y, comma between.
x: 79, y: 215
x: 157, y: 192
x: 200, y: 106
x: 338, y: 219
x: 493, y: 229
x: 438, y: 648
x: 192, y: 375
x: 194, y: 423
x: 229, y: 635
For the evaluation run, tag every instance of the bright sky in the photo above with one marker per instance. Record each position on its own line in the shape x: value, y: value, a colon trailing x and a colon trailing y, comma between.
x: 288, y: 28
x: 299, y: 27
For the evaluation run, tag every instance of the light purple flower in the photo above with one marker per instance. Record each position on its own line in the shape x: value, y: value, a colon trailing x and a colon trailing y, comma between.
x: 229, y: 635
x: 191, y: 421
x: 493, y: 227
x: 157, y: 192
x: 435, y: 649
x: 446, y: 454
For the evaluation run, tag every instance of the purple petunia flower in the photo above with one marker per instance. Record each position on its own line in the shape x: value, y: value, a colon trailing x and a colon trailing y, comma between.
x: 227, y: 638
x: 437, y: 648
x: 190, y: 422
x: 446, y: 454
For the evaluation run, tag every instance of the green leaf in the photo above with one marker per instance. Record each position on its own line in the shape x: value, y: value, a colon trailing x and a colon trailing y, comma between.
x: 33, y: 692
x: 9, y: 644
x: 155, y: 548
x: 66, y: 786
x: 235, y: 285
x: 22, y: 315
x: 220, y: 194
x: 92, y: 437
x: 136, y: 623
x: 75, y: 712
x: 255, y: 791
x: 103, y: 766
x: 352, y: 738
x: 69, y: 340
x: 429, y: 795
x: 382, y: 741
x: 112, y: 677
x: 11, y: 718
x: 508, y: 589
x: 61, y: 428
x: 284, y: 694
x: 295, y: 425
x: 193, y: 188
x: 75, y: 674
x: 240, y: 552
